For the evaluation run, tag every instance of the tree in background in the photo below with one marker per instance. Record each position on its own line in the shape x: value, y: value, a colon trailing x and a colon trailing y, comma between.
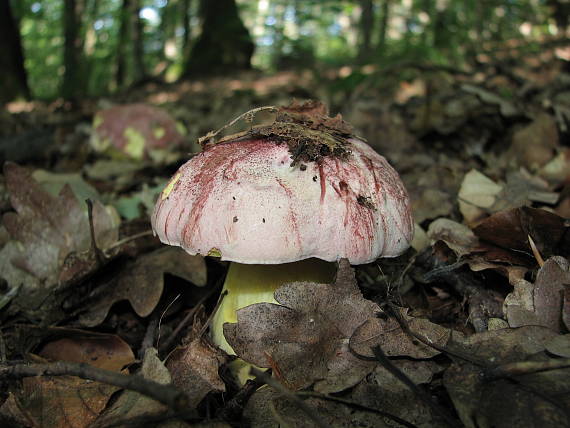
x: 366, y: 25
x: 224, y: 45
x: 131, y: 67
x: 14, y: 82
x: 73, y: 84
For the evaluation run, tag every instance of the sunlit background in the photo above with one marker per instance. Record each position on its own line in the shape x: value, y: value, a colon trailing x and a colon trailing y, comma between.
x: 287, y: 33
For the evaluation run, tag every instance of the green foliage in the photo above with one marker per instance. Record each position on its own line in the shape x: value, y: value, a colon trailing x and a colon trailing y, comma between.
x: 287, y: 33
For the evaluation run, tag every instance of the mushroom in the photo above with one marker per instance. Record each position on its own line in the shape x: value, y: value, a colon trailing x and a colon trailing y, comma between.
x: 282, y: 202
x: 137, y: 132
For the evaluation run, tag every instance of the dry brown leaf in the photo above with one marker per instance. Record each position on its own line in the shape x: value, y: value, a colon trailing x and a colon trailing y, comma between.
x: 46, y: 230
x: 480, y: 402
x: 534, y: 145
x: 105, y: 351
x: 506, y: 235
x: 69, y: 401
x: 194, y: 369
x: 381, y: 390
x: 552, y: 281
x: 141, y: 282
x: 305, y: 338
x: 387, y: 333
x: 457, y: 236
x: 50, y: 228
x: 64, y: 401
x: 131, y: 404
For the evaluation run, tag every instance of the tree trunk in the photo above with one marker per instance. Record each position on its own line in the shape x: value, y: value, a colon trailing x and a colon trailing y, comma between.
x: 224, y: 45
x: 123, y: 43
x: 138, y: 42
x: 366, y: 27
x: 186, y: 4
x: 73, y: 81
x: 14, y: 82
x: 383, y: 27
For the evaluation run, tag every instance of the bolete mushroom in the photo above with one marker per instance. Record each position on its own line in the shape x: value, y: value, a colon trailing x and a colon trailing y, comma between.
x: 282, y: 202
x: 136, y: 132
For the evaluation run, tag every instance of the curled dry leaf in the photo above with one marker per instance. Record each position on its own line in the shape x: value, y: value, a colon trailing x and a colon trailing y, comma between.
x: 305, y: 337
x: 141, y: 282
x: 505, y: 235
x: 457, y: 236
x: 518, y: 305
x: 194, y: 369
x: 477, y: 196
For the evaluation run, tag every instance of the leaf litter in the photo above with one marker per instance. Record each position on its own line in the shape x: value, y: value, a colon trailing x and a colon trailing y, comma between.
x: 485, y: 171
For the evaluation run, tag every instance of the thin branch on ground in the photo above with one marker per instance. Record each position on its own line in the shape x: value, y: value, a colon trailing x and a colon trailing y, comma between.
x: 420, y: 393
x: 357, y: 406
x: 100, y: 256
x: 165, y: 394
x: 526, y: 367
x: 309, y: 411
x: 233, y: 408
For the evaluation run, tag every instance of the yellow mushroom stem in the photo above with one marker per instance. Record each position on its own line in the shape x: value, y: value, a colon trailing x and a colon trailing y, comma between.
x: 250, y: 284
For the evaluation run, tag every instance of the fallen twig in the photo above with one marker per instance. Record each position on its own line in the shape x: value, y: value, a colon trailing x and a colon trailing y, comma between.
x: 309, y: 411
x: 357, y: 406
x: 398, y: 374
x: 165, y: 394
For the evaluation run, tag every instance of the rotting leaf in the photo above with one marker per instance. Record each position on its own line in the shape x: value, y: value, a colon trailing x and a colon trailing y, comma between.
x: 63, y: 401
x: 141, y: 282
x: 387, y: 333
x: 383, y: 391
x: 105, y: 351
x: 50, y: 228
x: 269, y: 409
x: 69, y: 401
x: 46, y: 230
x: 535, y: 399
x: 552, y: 281
x: 194, y: 368
x: 132, y: 404
x: 509, y: 230
x: 457, y: 236
x: 306, y: 336
x: 477, y: 196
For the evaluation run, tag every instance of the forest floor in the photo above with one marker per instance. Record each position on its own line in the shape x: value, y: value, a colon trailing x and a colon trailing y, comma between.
x: 475, y: 316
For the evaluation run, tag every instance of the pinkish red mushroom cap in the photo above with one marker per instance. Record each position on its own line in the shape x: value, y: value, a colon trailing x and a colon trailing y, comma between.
x: 245, y: 201
x: 136, y: 130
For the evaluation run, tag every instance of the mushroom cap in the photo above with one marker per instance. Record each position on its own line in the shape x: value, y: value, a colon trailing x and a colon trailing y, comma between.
x: 135, y: 131
x: 245, y: 201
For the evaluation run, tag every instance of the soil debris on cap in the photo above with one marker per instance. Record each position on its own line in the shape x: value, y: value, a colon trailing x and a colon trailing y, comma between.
x: 307, y: 130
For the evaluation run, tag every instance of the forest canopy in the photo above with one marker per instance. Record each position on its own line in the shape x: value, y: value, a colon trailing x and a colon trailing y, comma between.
x: 77, y: 48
